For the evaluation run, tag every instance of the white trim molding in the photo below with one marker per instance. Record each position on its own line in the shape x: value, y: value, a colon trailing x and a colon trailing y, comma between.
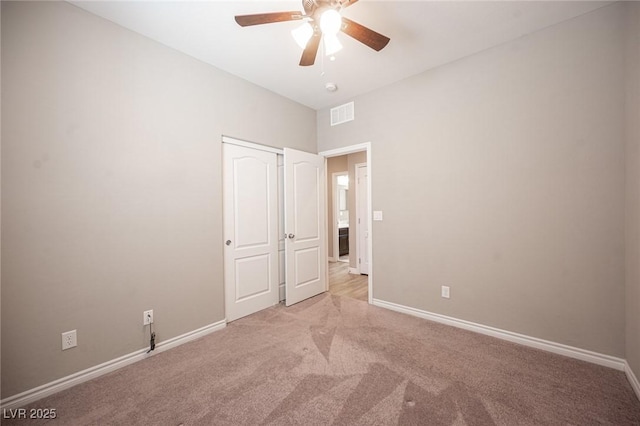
x: 633, y: 380
x: 366, y: 146
x: 47, y: 389
x: 534, y: 342
x: 354, y: 271
x: 252, y: 145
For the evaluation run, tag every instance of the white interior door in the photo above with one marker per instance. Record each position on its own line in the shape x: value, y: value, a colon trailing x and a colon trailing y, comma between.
x: 305, y: 251
x: 362, y: 218
x: 281, y: 234
x: 250, y: 210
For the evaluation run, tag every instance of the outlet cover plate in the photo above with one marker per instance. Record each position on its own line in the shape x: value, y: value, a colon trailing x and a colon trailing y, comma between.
x: 69, y: 340
x: 147, y: 317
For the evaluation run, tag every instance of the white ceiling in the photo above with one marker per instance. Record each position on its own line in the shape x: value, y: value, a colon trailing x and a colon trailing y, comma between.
x: 424, y: 34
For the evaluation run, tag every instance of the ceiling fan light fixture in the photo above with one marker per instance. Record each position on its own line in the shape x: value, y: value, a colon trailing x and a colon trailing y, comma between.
x: 321, y: 22
x: 331, y: 44
x: 302, y: 34
x: 330, y: 22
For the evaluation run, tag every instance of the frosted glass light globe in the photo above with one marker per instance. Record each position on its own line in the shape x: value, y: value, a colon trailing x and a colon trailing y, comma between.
x: 302, y: 34
x: 330, y: 22
x: 331, y: 44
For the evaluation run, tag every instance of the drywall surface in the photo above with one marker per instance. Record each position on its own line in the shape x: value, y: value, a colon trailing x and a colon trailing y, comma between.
x: 501, y: 175
x: 111, y: 187
x: 633, y: 185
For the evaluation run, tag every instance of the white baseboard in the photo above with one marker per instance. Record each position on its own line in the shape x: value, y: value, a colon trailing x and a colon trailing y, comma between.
x: 354, y: 270
x: 534, y: 342
x: 45, y: 390
x: 282, y: 293
x: 632, y: 379
x: 332, y: 259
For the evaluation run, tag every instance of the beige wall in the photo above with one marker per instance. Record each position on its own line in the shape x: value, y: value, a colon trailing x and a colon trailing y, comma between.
x: 334, y: 165
x: 111, y: 187
x: 502, y: 176
x: 633, y: 186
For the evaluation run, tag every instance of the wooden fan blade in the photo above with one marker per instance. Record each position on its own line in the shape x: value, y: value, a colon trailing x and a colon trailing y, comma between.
x: 364, y: 35
x: 310, y: 52
x: 267, y: 18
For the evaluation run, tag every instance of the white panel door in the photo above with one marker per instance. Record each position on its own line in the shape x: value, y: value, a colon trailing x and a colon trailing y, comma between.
x: 305, y: 249
x: 362, y: 219
x: 250, y: 200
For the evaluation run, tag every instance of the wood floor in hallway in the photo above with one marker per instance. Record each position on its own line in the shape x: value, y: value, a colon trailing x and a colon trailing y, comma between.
x: 342, y: 283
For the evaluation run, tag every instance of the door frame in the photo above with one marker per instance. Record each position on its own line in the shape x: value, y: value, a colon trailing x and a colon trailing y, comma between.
x: 253, y: 145
x: 366, y: 146
x: 358, y: 210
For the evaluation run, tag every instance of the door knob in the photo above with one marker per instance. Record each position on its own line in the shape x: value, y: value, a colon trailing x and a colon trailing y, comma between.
x: 291, y: 236
x: 228, y: 242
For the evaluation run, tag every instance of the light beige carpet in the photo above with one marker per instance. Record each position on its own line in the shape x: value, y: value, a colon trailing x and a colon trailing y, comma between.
x: 334, y: 360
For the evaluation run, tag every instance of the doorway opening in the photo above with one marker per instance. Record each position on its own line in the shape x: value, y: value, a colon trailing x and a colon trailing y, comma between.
x: 340, y: 209
x: 349, y: 222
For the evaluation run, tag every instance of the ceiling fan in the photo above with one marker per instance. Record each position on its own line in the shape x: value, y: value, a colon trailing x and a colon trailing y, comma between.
x: 324, y: 21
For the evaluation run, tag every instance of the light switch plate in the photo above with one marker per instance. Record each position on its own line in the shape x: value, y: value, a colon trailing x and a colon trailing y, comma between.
x: 445, y: 291
x: 377, y: 215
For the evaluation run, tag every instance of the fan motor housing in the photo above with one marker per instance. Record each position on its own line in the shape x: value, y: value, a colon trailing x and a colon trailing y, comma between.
x: 308, y: 6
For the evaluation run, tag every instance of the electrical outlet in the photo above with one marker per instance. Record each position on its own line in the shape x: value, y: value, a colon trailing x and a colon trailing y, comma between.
x: 69, y: 340
x: 445, y: 291
x: 147, y: 317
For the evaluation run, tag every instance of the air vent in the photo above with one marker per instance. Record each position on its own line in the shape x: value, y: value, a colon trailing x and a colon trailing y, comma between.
x: 342, y: 114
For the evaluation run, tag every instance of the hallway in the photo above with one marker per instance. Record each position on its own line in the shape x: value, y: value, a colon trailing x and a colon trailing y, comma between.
x: 342, y: 283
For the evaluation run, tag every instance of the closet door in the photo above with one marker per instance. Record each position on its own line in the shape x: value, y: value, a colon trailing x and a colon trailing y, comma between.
x: 305, y: 247
x: 250, y: 208
x: 282, y: 237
